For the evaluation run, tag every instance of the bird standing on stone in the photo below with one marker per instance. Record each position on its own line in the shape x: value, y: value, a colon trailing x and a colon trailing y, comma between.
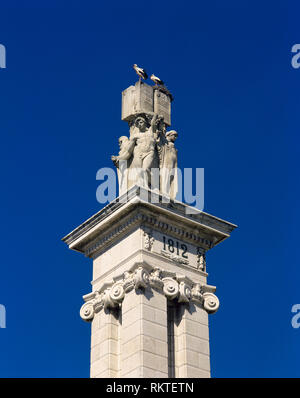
x: 156, y: 80
x: 140, y: 72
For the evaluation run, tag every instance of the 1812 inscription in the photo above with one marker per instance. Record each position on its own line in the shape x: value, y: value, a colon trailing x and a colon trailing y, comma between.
x: 180, y: 249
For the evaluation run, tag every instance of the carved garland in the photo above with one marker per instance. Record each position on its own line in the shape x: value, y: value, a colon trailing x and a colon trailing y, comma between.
x: 149, y: 240
x: 175, y: 287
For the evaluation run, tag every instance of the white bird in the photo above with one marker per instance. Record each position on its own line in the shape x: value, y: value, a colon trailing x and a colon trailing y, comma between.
x: 140, y: 72
x: 156, y: 80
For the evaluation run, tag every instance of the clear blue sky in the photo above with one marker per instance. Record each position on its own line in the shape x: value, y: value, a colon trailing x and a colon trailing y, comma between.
x: 228, y: 65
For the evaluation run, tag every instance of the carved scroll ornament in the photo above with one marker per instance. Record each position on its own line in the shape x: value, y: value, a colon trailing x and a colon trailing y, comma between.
x: 173, y: 287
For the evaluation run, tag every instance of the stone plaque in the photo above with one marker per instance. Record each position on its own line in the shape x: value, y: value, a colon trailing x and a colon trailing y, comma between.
x: 162, y: 105
x: 144, y: 98
x: 137, y: 99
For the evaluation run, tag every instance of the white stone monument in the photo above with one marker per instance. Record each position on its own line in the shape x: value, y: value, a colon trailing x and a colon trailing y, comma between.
x: 150, y: 300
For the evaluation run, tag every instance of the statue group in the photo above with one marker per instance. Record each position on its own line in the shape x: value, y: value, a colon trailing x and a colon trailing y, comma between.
x: 148, y: 157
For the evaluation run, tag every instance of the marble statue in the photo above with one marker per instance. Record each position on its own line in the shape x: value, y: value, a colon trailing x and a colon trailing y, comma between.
x: 147, y: 157
x: 122, y: 162
x: 168, y: 164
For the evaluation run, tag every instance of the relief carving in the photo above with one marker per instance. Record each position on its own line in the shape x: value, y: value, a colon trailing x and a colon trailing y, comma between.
x: 175, y: 287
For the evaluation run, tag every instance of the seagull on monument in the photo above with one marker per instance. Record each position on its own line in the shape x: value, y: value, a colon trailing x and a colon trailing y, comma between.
x: 140, y: 72
x: 156, y: 80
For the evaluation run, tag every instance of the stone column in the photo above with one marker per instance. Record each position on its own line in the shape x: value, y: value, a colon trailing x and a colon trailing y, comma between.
x: 105, y: 344
x: 191, y: 341
x: 150, y: 323
x: 150, y: 300
x: 144, y: 349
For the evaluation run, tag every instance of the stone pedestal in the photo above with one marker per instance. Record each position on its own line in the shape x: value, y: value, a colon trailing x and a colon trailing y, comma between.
x: 150, y: 302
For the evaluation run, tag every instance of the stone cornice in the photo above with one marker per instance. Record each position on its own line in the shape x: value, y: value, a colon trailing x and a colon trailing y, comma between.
x: 151, y: 220
x: 97, y: 218
x: 97, y: 231
x: 142, y: 276
x: 106, y: 238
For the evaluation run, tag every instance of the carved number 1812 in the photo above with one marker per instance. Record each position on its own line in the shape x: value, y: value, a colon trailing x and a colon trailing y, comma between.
x: 172, y: 246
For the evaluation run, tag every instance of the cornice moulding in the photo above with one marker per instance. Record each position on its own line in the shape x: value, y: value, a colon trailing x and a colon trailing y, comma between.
x: 101, y: 228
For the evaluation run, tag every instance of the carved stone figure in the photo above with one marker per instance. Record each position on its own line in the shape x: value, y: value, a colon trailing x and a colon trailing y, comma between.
x: 122, y: 162
x: 144, y: 152
x: 147, y: 158
x: 168, y: 164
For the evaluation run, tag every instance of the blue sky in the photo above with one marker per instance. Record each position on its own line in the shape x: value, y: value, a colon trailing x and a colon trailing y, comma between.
x: 228, y: 65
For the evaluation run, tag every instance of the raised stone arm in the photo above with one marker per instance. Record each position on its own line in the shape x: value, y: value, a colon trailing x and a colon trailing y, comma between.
x: 154, y: 121
x: 155, y: 125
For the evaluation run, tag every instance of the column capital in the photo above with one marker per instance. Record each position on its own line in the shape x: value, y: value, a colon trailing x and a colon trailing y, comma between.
x: 142, y: 276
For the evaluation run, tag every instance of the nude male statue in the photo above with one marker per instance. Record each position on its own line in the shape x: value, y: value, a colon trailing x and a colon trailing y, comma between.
x: 144, y: 152
x: 138, y: 154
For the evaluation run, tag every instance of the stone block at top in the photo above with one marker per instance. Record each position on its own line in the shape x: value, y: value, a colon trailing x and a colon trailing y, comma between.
x: 162, y: 105
x: 142, y: 98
